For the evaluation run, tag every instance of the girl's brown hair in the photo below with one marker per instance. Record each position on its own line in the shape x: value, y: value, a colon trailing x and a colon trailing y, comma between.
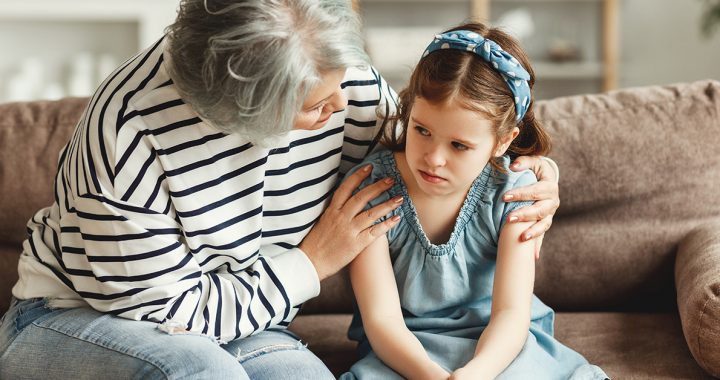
x: 454, y: 74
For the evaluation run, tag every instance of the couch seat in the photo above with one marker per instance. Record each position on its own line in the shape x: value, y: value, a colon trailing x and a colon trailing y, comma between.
x: 636, y: 345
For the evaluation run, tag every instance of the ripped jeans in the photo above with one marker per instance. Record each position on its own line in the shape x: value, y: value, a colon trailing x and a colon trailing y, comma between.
x: 37, y: 342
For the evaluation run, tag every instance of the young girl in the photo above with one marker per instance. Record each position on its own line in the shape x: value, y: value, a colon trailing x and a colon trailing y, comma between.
x: 464, y: 306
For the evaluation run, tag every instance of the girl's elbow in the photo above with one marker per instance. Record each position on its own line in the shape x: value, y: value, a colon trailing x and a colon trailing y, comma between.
x: 382, y: 321
x: 520, y: 316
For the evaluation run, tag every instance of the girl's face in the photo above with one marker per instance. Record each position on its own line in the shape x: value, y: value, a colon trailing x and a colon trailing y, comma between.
x: 447, y: 146
x: 324, y: 99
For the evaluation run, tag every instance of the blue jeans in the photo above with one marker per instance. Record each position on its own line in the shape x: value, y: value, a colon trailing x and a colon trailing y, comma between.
x: 81, y: 343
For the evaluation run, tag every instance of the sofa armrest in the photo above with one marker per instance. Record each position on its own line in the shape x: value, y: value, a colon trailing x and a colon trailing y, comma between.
x: 697, y: 279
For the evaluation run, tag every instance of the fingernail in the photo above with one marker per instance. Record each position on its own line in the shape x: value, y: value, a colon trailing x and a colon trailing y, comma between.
x: 395, y: 218
x: 389, y: 181
x: 516, y: 165
x: 528, y: 236
x: 398, y: 199
x: 367, y: 168
x: 509, y: 197
x: 513, y: 219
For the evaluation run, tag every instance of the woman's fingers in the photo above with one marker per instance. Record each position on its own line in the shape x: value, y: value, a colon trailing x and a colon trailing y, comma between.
x: 357, y: 202
x: 368, y: 217
x: 544, y: 170
x: 346, y: 188
x: 344, y: 230
x: 545, y: 193
x: 535, y: 212
x: 376, y: 230
x: 537, y: 230
x: 538, y: 245
x: 526, y: 162
x: 537, y: 191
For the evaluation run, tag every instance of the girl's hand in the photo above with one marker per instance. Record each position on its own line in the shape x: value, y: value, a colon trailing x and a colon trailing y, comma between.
x: 344, y: 229
x: 463, y: 373
x: 544, y: 192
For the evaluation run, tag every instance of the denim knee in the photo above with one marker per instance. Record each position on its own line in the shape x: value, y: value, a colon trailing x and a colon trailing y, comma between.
x: 19, y: 315
x: 96, y: 345
x: 277, y: 355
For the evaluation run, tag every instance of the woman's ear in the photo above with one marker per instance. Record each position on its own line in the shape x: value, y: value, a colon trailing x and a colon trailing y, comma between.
x: 504, y: 142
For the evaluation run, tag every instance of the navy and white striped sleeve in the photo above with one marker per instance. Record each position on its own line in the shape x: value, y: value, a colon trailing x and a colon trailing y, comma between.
x: 124, y: 250
x: 370, y: 100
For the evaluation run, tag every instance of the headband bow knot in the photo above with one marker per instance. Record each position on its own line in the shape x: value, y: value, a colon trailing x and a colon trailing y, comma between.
x: 509, y: 68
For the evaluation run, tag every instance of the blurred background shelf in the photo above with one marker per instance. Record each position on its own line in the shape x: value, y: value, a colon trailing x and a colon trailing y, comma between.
x: 572, y: 21
x: 150, y: 16
x: 572, y: 44
x: 64, y: 47
x: 568, y: 70
x: 67, y: 47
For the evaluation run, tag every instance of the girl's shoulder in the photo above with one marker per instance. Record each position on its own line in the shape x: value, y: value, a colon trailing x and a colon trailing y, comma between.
x: 383, y: 165
x: 502, y: 181
x: 499, y: 183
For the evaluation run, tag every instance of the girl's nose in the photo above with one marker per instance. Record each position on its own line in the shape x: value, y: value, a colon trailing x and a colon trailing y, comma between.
x: 434, y: 157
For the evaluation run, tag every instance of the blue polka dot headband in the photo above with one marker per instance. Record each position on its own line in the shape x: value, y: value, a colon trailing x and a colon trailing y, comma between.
x: 511, y: 70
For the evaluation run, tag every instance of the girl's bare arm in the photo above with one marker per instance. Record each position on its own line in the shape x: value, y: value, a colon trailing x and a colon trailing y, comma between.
x: 375, y: 289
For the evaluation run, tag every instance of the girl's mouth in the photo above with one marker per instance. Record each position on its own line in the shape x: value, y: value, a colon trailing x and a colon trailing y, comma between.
x: 431, y: 178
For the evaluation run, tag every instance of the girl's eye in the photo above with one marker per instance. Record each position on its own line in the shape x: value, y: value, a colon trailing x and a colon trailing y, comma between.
x: 459, y: 146
x: 422, y: 131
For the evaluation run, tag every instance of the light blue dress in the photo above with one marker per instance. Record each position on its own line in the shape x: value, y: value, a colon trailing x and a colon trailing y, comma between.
x: 445, y: 290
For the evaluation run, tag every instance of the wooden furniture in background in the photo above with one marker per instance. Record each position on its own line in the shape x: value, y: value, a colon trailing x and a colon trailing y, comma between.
x: 413, y: 19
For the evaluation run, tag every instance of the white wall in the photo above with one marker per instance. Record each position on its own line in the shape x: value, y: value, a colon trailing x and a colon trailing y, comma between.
x: 662, y: 43
x: 55, y: 48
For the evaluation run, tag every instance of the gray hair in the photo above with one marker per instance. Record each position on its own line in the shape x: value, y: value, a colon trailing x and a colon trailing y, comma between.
x: 246, y: 66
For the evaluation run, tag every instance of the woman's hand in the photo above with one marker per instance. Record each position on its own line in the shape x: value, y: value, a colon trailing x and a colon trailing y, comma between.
x: 544, y: 192
x: 344, y: 229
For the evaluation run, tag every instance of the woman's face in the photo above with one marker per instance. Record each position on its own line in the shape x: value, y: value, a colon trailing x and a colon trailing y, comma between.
x: 322, y: 101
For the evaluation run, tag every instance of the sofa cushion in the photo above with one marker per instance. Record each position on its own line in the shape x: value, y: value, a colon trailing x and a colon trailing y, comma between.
x: 640, y: 168
x: 625, y: 345
x: 336, y: 296
x: 31, y: 135
x: 9, y: 255
x: 697, y: 277
x: 630, y: 345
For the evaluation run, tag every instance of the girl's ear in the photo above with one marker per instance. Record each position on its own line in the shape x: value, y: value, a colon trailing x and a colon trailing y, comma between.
x: 504, y: 142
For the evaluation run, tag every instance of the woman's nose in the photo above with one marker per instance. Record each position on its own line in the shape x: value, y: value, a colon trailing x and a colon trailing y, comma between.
x: 338, y: 101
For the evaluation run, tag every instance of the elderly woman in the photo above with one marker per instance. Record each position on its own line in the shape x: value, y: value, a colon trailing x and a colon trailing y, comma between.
x: 196, y: 204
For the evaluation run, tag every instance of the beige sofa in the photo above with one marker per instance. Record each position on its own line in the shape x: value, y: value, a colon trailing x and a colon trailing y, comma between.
x: 632, y: 263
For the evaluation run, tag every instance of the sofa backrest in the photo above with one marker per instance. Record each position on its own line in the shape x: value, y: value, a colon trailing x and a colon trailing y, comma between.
x: 639, y: 170
x: 31, y: 137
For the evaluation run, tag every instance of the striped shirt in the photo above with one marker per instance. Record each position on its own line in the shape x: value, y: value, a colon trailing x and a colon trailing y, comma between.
x: 158, y: 216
